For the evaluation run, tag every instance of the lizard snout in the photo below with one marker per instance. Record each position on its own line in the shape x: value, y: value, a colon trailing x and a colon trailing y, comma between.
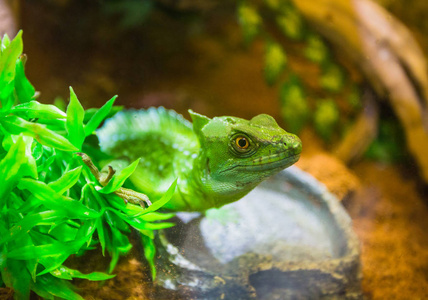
x: 293, y: 144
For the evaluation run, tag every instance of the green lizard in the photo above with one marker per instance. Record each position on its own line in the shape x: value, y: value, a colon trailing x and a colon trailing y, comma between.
x: 216, y: 161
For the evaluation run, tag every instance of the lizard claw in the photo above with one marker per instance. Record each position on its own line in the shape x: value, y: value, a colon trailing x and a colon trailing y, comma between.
x: 103, y: 178
x: 133, y: 197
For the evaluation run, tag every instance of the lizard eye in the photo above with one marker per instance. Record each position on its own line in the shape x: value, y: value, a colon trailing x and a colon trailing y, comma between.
x: 242, y: 142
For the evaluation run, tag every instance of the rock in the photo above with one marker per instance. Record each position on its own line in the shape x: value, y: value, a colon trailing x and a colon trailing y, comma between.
x: 289, y: 238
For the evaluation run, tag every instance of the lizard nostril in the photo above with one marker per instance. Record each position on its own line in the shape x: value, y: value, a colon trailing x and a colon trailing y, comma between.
x: 285, y: 144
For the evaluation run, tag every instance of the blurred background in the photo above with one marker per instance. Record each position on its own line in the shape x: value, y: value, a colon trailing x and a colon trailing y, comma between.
x: 349, y: 77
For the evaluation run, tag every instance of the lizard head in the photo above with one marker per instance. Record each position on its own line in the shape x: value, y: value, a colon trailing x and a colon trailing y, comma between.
x: 237, y: 154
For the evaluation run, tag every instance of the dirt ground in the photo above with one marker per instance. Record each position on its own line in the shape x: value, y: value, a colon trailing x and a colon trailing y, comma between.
x: 215, y: 75
x: 390, y: 218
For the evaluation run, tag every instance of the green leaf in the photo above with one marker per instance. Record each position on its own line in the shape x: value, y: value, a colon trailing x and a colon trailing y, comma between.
x: 24, y: 89
x: 294, y: 106
x: 10, y: 167
x: 15, y: 275
x: 49, y: 252
x: 89, y: 113
x: 250, y: 21
x: 64, y: 230
x: 119, y: 179
x: 8, y: 60
x: 161, y: 202
x: 86, y: 231
x: 31, y: 165
x: 149, y: 253
x: 101, y: 234
x: 275, y: 61
x: 155, y: 216
x: 273, y: 4
x: 142, y: 225
x: 114, y: 259
x: 68, y: 274
x: 52, y: 200
x: 115, y: 221
x: 66, y: 181
x: 5, y: 42
x: 316, y: 50
x: 326, y: 118
x: 34, y: 109
x: 99, y: 116
x: 120, y: 241
x: 150, y: 226
x: 290, y: 22
x: 332, y: 78
x: 31, y: 266
x: 48, y: 286
x: 16, y: 125
x: 49, y: 217
x: 60, y: 103
x: 45, y: 164
x: 75, y: 115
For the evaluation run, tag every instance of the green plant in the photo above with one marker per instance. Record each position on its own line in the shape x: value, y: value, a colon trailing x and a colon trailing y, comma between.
x: 316, y: 50
x: 278, y: 23
x: 275, y: 62
x: 294, y: 106
x: 51, y: 205
x: 326, y: 116
x: 332, y: 78
x: 250, y: 21
x: 289, y: 21
x: 389, y: 146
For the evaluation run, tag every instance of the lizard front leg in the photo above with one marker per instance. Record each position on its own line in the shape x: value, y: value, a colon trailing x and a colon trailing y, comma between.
x: 105, y: 176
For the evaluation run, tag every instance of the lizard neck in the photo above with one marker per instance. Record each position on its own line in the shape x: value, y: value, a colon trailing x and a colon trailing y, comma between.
x: 190, y: 194
x: 210, y: 189
x: 199, y: 189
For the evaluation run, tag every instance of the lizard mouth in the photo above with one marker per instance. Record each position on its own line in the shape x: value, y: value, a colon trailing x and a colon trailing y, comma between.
x: 276, y: 161
x: 280, y: 160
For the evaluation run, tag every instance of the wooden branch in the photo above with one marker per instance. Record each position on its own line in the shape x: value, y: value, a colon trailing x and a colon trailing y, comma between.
x: 8, y: 16
x: 388, y: 56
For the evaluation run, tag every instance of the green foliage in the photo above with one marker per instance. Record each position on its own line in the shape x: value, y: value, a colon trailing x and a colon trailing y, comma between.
x: 50, y: 203
x: 326, y: 117
x: 273, y: 4
x: 294, y: 94
x: 98, y: 116
x: 332, y: 78
x: 74, y: 124
x: 250, y: 21
x: 294, y: 107
x: 119, y: 179
x: 316, y: 50
x: 389, y: 146
x: 290, y: 22
x: 354, y: 97
x: 275, y: 61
